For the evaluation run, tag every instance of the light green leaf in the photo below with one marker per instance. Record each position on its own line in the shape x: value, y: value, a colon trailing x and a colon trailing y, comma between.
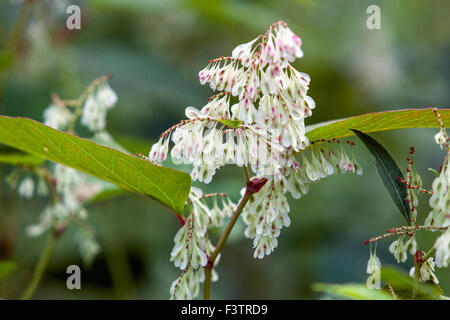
x: 168, y: 186
x: 434, y: 172
x: 20, y: 158
x: 377, y: 121
x: 233, y: 124
x: 389, y: 173
x: 403, y: 285
x: 353, y: 291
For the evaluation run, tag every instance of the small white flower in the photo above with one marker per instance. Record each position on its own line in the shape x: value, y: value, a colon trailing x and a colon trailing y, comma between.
x: 442, y: 246
x: 88, y: 246
x: 26, y: 187
x: 426, y: 271
x: 264, y: 245
x: 106, y: 96
x: 94, y: 114
x: 96, y: 106
x: 374, y: 271
x: 244, y: 52
x: 411, y: 245
x: 56, y: 117
x: 42, y: 187
x: 398, y: 250
x: 441, y: 138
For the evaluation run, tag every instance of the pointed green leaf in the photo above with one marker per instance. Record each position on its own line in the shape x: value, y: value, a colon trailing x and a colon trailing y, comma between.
x: 168, y: 186
x: 434, y: 172
x: 377, y: 121
x: 234, y: 124
x: 389, y: 173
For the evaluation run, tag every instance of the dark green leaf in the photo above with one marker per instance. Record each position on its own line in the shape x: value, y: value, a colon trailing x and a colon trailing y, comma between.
x: 389, y: 173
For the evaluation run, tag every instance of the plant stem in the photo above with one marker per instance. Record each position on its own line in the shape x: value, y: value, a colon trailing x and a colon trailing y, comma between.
x: 207, y: 284
x: 247, y: 175
x: 416, y: 278
x: 221, y: 243
x: 40, y: 268
x: 429, y: 254
x: 417, y: 266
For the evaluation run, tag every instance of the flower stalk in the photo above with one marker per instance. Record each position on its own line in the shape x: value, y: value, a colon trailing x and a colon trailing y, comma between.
x: 253, y: 186
x: 41, y: 267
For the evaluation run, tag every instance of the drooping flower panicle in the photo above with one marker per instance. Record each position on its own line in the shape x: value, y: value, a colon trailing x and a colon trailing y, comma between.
x: 257, y: 121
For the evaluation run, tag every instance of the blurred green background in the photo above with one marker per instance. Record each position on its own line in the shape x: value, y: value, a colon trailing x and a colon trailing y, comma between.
x: 154, y: 50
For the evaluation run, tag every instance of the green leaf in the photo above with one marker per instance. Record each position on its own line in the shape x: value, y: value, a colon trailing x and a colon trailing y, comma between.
x: 20, y: 158
x: 389, y: 173
x: 233, y: 124
x: 353, y: 291
x: 377, y: 121
x: 168, y: 186
x: 6, y: 269
x: 434, y: 172
x: 403, y: 285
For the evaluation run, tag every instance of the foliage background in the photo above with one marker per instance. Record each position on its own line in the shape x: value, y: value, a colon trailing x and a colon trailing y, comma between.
x: 154, y: 50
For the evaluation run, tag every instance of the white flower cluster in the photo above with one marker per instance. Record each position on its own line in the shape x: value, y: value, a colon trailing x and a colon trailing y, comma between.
x: 97, y: 104
x: 271, y: 109
x: 192, y: 246
x: 68, y: 203
x: 267, y: 211
x: 100, y: 99
x: 72, y: 190
x: 263, y: 130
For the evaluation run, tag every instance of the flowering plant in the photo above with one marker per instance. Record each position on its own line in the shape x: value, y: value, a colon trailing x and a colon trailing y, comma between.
x: 257, y: 122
